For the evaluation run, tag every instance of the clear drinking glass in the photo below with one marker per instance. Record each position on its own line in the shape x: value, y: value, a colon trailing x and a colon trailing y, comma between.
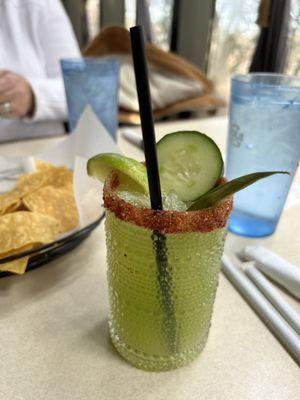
x: 163, y: 272
x: 92, y: 81
x: 264, y: 135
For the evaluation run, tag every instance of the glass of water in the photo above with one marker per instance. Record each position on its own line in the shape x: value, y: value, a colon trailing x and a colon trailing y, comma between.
x: 92, y: 81
x: 264, y: 135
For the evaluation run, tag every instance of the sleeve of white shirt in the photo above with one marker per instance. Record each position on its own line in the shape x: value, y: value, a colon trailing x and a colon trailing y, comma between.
x: 56, y: 41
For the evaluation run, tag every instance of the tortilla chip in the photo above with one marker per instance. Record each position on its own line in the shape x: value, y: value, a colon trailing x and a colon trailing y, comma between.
x: 17, y: 251
x: 8, y: 201
x: 17, y: 266
x: 60, y: 177
x: 26, y: 184
x: 47, y: 175
x: 57, y: 176
x: 24, y: 228
x: 58, y: 203
x: 43, y: 166
x: 14, y: 207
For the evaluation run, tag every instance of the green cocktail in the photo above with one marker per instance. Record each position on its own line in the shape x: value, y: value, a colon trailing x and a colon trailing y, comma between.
x: 163, y: 266
x: 159, y: 320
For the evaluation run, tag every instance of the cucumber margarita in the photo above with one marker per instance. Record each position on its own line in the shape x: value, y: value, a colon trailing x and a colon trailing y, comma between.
x: 163, y: 265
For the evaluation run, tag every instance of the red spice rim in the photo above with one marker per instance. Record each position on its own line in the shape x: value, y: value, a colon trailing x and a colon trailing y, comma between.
x: 166, y: 221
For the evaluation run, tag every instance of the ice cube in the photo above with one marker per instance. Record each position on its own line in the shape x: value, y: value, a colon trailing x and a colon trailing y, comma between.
x: 138, y: 199
x: 170, y: 201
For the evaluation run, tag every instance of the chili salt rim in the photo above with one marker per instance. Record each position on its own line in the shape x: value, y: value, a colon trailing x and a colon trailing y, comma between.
x: 166, y: 221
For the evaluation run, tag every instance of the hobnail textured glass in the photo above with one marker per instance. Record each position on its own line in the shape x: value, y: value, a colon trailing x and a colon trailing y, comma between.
x: 160, y: 316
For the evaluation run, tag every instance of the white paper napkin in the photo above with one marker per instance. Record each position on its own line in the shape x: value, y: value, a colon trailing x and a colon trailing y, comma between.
x: 280, y: 270
x: 89, y: 138
x: 276, y: 323
x: 291, y: 316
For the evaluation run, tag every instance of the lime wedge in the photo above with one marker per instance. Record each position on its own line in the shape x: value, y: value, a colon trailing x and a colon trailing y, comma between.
x: 132, y: 174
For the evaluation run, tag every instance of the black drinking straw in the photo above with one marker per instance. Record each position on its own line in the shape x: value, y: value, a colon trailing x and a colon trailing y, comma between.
x: 143, y: 90
x: 159, y: 239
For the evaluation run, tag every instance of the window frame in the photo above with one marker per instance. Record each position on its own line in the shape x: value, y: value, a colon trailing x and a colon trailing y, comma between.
x: 193, y: 44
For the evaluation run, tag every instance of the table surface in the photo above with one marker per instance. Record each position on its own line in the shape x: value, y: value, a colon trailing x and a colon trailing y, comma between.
x: 54, y: 336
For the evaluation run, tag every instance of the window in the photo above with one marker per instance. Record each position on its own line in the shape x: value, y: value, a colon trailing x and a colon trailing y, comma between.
x: 293, y: 59
x: 234, y: 38
x: 233, y: 41
x: 161, y: 12
x: 93, y: 17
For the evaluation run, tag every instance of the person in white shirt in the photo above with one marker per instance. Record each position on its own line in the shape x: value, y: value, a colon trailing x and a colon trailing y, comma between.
x: 34, y: 36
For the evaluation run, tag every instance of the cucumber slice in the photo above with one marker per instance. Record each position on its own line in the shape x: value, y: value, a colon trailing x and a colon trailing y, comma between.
x: 190, y: 164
